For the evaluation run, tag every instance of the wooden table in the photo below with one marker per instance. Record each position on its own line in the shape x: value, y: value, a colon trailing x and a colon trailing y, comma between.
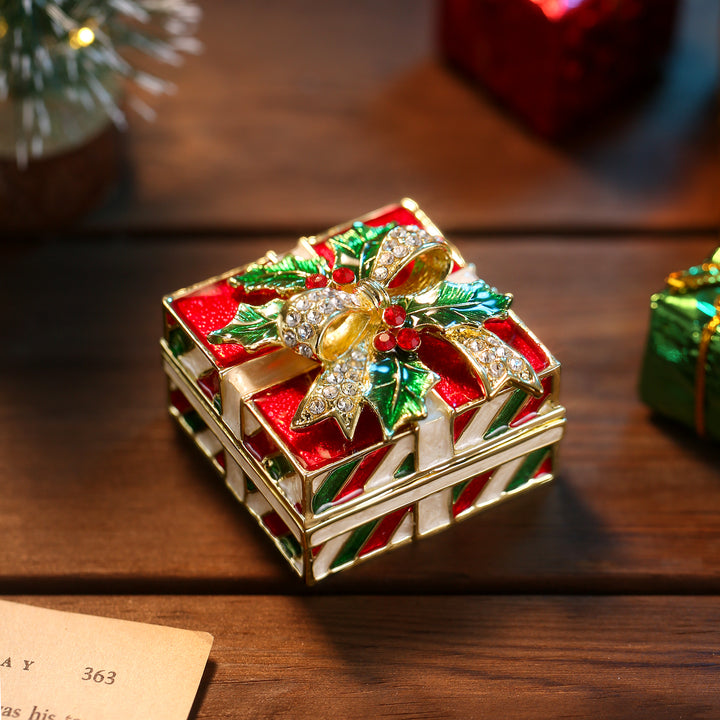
x: 595, y: 597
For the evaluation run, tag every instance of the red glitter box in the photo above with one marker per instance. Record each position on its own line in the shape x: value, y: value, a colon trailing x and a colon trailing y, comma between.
x: 557, y: 62
x: 416, y: 400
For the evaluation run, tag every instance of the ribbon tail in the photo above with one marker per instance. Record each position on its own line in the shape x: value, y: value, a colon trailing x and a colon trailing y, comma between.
x: 495, y: 363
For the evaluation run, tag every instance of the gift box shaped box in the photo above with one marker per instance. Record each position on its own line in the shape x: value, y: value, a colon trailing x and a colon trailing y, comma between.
x: 681, y: 370
x: 361, y: 390
x: 556, y: 63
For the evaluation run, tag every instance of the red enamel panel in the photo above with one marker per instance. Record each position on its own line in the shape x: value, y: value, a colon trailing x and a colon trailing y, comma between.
x: 471, y: 492
x: 461, y: 422
x: 546, y: 466
x: 213, y: 307
x: 260, y: 445
x: 356, y: 483
x: 530, y: 408
x: 458, y: 385
x: 397, y: 214
x: 384, y: 531
x: 321, y: 443
x: 180, y: 402
x: 210, y: 384
x: 511, y: 333
x: 220, y: 459
x: 275, y: 525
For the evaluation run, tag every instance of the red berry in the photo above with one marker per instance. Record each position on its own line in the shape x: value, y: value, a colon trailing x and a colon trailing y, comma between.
x: 394, y: 315
x: 384, y: 341
x: 343, y: 276
x: 315, y: 281
x: 408, y: 339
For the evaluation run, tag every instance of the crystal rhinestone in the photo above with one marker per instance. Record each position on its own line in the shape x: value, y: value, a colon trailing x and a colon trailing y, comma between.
x: 349, y: 388
x: 499, y: 352
x: 476, y: 344
x: 400, y: 251
x: 353, y: 374
x: 384, y: 341
x: 396, y: 232
x: 413, y: 239
x: 302, y: 303
x: 385, y: 258
x: 292, y: 318
x: 315, y: 281
x: 289, y: 338
x: 496, y: 369
x: 380, y: 273
x: 515, y: 364
x: 484, y: 356
x: 344, y: 405
x: 305, y: 331
x: 343, y: 276
x: 342, y: 366
x: 334, y: 378
x: 330, y: 391
x: 305, y: 350
x: 314, y: 316
x: 316, y: 406
x: 394, y: 316
x: 358, y: 355
x: 408, y: 339
x: 525, y: 375
x: 329, y: 307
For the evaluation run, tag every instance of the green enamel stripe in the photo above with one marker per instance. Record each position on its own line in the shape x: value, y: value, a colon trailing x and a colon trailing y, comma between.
x: 217, y: 403
x: 290, y: 546
x: 407, y: 467
x: 457, y: 490
x: 528, y: 468
x: 278, y: 466
x: 194, y: 421
x: 179, y: 342
x: 332, y: 485
x: 250, y: 485
x: 505, y: 416
x: 354, y: 543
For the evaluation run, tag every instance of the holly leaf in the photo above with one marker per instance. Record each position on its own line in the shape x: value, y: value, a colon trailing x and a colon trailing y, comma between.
x: 458, y: 303
x: 284, y: 276
x: 351, y: 246
x: 370, y: 250
x: 252, y: 326
x: 397, y: 391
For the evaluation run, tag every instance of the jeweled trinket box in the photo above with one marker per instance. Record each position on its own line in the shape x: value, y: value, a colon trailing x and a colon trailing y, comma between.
x: 361, y: 390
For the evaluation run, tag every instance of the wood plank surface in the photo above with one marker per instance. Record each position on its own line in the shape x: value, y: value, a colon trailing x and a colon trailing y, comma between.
x: 299, y: 114
x: 462, y: 657
x: 99, y: 491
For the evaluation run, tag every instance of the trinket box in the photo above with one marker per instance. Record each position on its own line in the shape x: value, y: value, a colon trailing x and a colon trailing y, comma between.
x: 681, y: 371
x: 361, y: 390
x: 557, y: 63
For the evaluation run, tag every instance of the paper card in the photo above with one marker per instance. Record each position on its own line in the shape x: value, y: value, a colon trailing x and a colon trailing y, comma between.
x: 65, y: 666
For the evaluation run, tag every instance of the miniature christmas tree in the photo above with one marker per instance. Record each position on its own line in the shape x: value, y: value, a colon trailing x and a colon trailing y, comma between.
x: 64, y: 65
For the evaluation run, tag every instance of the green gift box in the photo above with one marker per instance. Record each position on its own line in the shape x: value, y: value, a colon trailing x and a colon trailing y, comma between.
x: 681, y: 370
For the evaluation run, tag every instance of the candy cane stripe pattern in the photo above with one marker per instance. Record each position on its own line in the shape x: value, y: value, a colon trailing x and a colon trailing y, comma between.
x: 362, y: 390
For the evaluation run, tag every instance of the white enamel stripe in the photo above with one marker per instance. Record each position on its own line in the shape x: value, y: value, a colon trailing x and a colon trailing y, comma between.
x: 472, y: 435
x: 435, y: 511
x: 422, y: 488
x: 498, y: 482
x: 230, y: 450
x: 404, y: 530
x: 195, y: 362
x: 235, y: 478
x: 322, y: 561
x: 207, y: 442
x: 434, y: 434
x: 385, y: 471
x: 243, y: 381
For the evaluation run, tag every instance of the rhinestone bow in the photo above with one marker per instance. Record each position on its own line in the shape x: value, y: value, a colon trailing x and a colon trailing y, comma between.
x: 362, y: 314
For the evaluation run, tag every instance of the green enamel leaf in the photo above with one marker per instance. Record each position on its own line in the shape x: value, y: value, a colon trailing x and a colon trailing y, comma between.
x: 460, y: 303
x: 370, y: 250
x: 252, y: 326
x: 287, y: 274
x: 397, y: 391
x: 353, y: 245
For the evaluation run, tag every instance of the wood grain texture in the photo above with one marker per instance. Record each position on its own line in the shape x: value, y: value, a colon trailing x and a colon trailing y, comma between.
x: 297, y: 115
x: 468, y: 657
x: 99, y: 490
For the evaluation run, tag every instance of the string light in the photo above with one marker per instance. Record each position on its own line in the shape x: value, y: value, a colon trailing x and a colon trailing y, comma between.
x: 82, y: 37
